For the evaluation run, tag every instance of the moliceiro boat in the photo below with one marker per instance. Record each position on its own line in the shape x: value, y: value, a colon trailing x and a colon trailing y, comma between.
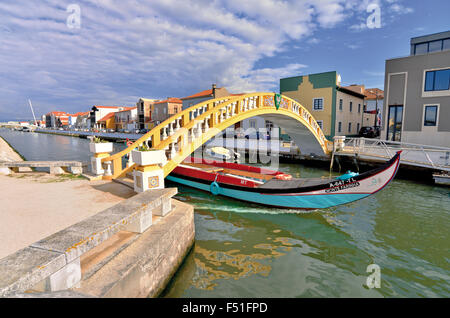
x: 274, y: 188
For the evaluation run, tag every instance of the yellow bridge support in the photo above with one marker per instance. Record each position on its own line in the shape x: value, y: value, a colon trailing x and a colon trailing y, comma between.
x: 184, y: 132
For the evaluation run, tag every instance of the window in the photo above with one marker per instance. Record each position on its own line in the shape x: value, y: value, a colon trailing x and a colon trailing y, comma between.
x: 318, y: 104
x: 357, y: 128
x: 320, y: 123
x: 435, y: 46
x: 349, y: 127
x: 340, y: 104
x: 252, y: 124
x: 339, y: 127
x: 437, y: 80
x: 446, y: 45
x: 351, y: 106
x: 421, y: 48
x: 359, y: 108
x: 430, y: 117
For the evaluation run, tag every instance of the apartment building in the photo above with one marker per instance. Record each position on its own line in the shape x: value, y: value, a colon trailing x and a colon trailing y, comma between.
x: 126, y: 119
x: 417, y: 93
x: 164, y: 109
x: 214, y: 92
x: 144, y: 111
x: 337, y: 109
x: 56, y: 119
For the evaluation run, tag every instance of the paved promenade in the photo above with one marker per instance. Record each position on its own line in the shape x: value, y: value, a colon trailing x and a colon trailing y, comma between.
x: 36, y: 205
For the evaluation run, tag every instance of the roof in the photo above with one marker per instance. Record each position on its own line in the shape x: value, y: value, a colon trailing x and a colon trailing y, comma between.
x: 79, y: 114
x: 125, y: 109
x: 349, y: 91
x: 171, y: 100
x: 371, y: 93
x: 108, y: 116
x: 205, y: 93
x: 107, y: 106
x: 57, y: 113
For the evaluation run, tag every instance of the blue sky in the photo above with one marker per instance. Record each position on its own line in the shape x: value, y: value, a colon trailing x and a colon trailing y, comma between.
x: 124, y: 50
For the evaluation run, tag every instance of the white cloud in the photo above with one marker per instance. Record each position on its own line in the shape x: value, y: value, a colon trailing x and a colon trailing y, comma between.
x: 156, y: 48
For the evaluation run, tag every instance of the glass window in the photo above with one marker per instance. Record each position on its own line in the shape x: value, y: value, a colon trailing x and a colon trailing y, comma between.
x: 340, y: 104
x: 421, y: 48
x: 349, y: 127
x: 437, y: 80
x: 351, y: 106
x: 446, y: 45
x: 430, y: 116
x: 442, y: 80
x: 429, y: 81
x: 357, y: 127
x: 339, y: 127
x: 359, y: 108
x: 435, y: 46
x: 320, y: 123
x: 318, y: 103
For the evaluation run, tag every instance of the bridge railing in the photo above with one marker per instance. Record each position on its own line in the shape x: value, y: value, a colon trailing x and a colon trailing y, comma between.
x: 413, y: 154
x: 177, y: 134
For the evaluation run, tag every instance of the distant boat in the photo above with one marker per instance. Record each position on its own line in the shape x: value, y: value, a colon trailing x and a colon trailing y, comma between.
x: 441, y: 178
x: 222, y: 154
x: 277, y: 189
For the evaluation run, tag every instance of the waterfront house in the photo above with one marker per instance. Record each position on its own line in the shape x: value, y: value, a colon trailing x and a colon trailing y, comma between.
x: 82, y: 120
x: 56, y: 119
x: 337, y: 109
x: 99, y: 112
x: 214, y: 92
x: 417, y: 93
x: 126, y: 119
x: 166, y: 108
x: 144, y: 111
x: 107, y: 122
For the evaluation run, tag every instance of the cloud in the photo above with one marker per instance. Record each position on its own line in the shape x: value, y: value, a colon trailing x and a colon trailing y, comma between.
x: 159, y: 48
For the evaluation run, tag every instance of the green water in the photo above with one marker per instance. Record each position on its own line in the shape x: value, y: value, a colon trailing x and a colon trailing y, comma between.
x: 244, y: 250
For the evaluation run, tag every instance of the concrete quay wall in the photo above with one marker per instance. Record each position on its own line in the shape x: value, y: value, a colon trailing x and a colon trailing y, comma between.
x: 129, y: 250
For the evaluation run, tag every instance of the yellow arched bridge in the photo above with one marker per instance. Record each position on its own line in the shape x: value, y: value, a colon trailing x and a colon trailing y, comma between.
x: 184, y: 132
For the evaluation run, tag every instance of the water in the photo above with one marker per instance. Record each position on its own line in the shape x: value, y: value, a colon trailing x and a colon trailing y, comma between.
x: 245, y: 250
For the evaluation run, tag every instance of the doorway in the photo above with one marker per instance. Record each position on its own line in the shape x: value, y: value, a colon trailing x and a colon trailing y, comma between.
x: 394, y: 130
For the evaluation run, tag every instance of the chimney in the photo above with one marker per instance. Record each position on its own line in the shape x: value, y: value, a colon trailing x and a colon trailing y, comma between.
x: 214, y: 90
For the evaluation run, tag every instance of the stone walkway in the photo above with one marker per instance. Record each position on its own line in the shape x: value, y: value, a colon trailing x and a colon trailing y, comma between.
x: 36, y: 205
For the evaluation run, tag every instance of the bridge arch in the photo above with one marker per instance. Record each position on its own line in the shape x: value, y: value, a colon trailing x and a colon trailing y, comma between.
x: 181, y: 134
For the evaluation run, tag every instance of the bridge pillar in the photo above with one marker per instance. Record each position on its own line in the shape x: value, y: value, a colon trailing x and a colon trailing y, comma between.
x: 148, y: 174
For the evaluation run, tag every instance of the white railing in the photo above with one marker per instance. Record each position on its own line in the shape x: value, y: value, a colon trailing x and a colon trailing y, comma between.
x: 412, y: 154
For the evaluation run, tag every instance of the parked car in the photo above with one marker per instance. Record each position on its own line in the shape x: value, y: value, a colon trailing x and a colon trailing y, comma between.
x: 369, y: 132
x: 143, y: 131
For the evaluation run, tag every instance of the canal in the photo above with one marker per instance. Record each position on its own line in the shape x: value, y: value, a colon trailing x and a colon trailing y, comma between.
x: 245, y: 250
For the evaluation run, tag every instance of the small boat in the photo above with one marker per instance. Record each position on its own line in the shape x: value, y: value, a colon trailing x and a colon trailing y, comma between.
x: 441, y: 178
x: 222, y: 154
x: 277, y: 189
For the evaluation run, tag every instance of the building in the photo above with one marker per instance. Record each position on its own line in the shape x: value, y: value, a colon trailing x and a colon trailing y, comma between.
x: 373, y: 104
x: 107, y: 122
x: 144, y: 111
x: 56, y: 119
x: 164, y: 109
x: 82, y: 120
x: 126, y: 119
x: 337, y: 109
x: 417, y: 93
x: 99, y: 112
x: 214, y: 92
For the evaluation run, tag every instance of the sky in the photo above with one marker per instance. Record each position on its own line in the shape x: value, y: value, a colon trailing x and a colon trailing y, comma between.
x: 71, y: 55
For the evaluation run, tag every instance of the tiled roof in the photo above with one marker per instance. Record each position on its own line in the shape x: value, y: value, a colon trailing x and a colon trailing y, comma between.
x: 125, y: 109
x: 207, y: 92
x: 171, y: 100
x: 108, y: 116
x: 56, y: 113
x: 107, y: 106
x: 371, y: 93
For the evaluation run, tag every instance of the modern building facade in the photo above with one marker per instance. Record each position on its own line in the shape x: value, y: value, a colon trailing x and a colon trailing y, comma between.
x: 417, y: 93
x: 337, y: 109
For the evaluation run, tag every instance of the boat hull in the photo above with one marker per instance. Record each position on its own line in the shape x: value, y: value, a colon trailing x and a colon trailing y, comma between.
x: 334, y: 193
